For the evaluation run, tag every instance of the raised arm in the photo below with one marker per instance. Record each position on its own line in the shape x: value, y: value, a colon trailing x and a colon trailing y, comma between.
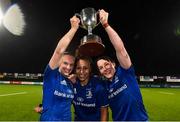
x: 121, y: 53
x: 64, y: 42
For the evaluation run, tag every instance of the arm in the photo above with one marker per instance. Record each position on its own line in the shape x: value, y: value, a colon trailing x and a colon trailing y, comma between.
x: 64, y: 42
x: 121, y: 53
x: 104, y: 113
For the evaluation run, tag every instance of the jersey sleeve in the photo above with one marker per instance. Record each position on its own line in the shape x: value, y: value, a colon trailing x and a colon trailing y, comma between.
x: 121, y: 71
x: 49, y: 74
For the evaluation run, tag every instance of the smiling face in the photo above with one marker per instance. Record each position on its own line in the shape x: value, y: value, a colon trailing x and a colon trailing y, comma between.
x: 106, y: 68
x: 66, y: 64
x: 83, y: 70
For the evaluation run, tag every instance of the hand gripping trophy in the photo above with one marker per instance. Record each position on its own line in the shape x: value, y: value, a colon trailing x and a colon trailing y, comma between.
x: 91, y: 44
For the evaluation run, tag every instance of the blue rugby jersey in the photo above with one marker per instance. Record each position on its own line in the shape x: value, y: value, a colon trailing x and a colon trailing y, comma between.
x: 125, y: 99
x: 89, y: 99
x: 57, y: 96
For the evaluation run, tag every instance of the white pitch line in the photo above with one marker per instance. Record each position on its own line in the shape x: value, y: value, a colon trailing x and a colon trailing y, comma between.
x: 2, y: 95
x: 167, y: 93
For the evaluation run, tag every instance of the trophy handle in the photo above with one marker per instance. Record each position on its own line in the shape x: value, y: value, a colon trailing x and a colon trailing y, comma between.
x: 80, y: 17
x: 97, y: 13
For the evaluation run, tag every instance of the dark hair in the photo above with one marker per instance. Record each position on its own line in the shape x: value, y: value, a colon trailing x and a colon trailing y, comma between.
x: 68, y: 53
x: 86, y: 58
x: 107, y: 58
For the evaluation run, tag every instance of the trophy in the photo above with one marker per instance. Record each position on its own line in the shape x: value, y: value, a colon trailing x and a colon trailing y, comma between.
x: 91, y: 44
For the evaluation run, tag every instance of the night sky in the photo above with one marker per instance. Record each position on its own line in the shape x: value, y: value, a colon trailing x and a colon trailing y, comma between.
x: 149, y: 29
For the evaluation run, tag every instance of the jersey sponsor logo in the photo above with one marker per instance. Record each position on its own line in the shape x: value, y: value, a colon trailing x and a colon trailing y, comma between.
x: 116, y: 92
x: 60, y: 94
x: 63, y: 82
x: 84, y: 104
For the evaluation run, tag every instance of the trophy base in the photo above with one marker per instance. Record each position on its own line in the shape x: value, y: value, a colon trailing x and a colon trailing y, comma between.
x: 91, y: 45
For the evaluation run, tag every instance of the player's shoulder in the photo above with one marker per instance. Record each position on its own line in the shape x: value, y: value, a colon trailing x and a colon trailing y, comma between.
x: 97, y: 81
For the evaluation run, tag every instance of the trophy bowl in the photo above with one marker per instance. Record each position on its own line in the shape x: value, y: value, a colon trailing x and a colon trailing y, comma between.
x: 91, y: 45
x: 88, y: 17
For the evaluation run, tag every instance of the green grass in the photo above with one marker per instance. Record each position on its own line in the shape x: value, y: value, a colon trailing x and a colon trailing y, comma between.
x: 162, y: 104
x: 19, y: 107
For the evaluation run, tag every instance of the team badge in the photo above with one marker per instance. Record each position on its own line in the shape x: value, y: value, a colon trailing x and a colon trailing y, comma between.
x: 88, y: 93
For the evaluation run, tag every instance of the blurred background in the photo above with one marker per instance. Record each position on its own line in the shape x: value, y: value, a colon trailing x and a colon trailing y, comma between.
x: 150, y: 30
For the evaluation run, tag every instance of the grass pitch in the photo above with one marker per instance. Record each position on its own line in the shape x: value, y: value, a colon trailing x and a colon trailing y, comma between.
x: 18, y: 101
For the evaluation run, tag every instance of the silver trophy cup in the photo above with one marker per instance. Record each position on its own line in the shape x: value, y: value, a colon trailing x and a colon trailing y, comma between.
x: 91, y: 45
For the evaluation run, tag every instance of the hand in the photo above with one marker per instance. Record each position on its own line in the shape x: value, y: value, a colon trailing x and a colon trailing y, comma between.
x: 72, y: 77
x: 103, y: 15
x: 38, y: 109
x: 75, y: 22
